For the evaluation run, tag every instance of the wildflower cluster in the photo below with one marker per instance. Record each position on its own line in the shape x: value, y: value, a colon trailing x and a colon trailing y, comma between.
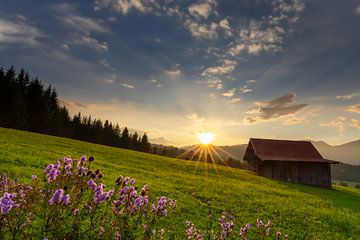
x: 192, y: 232
x: 227, y: 230
x: 73, y: 203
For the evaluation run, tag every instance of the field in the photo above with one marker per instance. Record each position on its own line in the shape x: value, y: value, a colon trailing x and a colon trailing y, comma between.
x: 304, y: 212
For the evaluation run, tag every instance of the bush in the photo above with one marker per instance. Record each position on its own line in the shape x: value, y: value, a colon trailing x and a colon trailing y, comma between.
x: 71, y: 203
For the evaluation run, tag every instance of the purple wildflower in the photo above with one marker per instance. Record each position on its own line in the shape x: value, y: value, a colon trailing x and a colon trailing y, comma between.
x: 58, y: 197
x: 67, y: 161
x: 7, y: 203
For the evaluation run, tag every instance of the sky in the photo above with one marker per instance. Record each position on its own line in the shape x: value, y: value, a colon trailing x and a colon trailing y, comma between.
x: 283, y: 69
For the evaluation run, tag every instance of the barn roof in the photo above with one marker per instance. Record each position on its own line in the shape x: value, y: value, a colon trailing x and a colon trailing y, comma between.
x: 286, y: 150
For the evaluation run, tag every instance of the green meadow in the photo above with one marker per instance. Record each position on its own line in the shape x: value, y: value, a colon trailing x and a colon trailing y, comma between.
x: 303, y: 212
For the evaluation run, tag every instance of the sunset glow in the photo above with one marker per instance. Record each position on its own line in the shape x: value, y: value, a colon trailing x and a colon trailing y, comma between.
x: 205, y: 138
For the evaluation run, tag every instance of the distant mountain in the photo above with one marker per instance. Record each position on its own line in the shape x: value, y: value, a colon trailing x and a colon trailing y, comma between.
x: 346, y: 153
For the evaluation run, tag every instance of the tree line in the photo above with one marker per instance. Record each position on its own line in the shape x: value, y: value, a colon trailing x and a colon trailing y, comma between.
x: 25, y: 104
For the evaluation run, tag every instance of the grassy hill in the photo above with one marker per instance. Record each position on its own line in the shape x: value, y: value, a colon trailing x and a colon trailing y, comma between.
x: 304, y: 212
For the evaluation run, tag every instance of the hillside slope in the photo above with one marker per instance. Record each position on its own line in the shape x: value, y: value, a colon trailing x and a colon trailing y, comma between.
x: 304, y: 212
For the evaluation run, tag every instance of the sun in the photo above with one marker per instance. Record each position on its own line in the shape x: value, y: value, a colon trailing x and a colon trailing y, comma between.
x: 206, y: 137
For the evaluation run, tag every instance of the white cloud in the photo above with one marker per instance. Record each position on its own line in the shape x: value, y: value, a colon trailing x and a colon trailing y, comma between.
x: 355, y: 123
x: 226, y: 67
x: 250, y: 81
x: 338, y: 123
x: 215, y: 83
x: 12, y: 32
x: 293, y: 120
x: 229, y: 93
x: 65, y: 46
x: 173, y: 73
x: 212, y: 96
x: 245, y: 89
x: 202, y: 30
x: 354, y: 109
x: 125, y: 85
x: 125, y: 6
x: 357, y: 10
x: 68, y: 15
x: 91, y: 42
x: 201, y: 10
x: 235, y: 100
x: 195, y: 118
x: 21, y: 17
x: 109, y: 81
x: 347, y: 97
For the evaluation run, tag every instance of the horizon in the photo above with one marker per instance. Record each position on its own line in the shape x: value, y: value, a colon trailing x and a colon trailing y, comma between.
x: 236, y: 70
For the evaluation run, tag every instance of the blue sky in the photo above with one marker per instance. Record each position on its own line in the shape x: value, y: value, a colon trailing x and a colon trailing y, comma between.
x: 277, y: 69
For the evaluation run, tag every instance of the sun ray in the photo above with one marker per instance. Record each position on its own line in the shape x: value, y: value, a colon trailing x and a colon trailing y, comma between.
x: 213, y: 160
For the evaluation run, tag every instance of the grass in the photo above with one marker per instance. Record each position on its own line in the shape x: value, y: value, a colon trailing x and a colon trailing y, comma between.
x: 304, y: 212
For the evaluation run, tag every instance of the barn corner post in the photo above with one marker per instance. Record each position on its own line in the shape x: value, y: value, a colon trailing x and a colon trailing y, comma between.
x: 292, y: 161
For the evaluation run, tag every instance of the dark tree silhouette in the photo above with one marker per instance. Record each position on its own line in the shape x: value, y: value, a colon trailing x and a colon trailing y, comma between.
x: 25, y: 104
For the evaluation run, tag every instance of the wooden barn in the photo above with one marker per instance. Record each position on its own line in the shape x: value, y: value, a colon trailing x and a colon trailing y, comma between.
x: 293, y: 161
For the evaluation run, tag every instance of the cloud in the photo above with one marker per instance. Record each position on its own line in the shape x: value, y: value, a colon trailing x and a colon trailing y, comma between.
x: 226, y: 67
x: 278, y: 107
x: 235, y: 100
x: 173, y: 73
x: 125, y: 6
x: 354, y: 109
x: 357, y: 10
x: 245, y: 89
x: 267, y: 34
x: 195, y: 118
x: 68, y: 15
x: 225, y: 25
x: 65, y: 46
x: 14, y: 32
x: 250, y: 81
x: 202, y: 30
x: 215, y: 83
x: 338, y: 123
x: 21, y: 17
x: 125, y: 85
x: 347, y: 97
x: 91, y: 42
x: 355, y: 123
x: 109, y: 81
x: 201, y: 10
x: 294, y: 120
x: 229, y: 93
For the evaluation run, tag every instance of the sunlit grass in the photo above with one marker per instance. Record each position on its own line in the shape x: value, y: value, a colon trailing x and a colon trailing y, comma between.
x: 304, y: 212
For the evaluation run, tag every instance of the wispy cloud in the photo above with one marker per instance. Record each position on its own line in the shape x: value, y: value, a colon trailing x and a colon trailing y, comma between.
x: 18, y: 31
x: 125, y: 85
x: 338, y: 123
x: 229, y: 93
x: 195, y: 118
x: 354, y: 108
x: 347, y: 97
x: 89, y: 41
x: 250, y: 81
x: 355, y: 123
x: 245, y: 89
x: 67, y: 14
